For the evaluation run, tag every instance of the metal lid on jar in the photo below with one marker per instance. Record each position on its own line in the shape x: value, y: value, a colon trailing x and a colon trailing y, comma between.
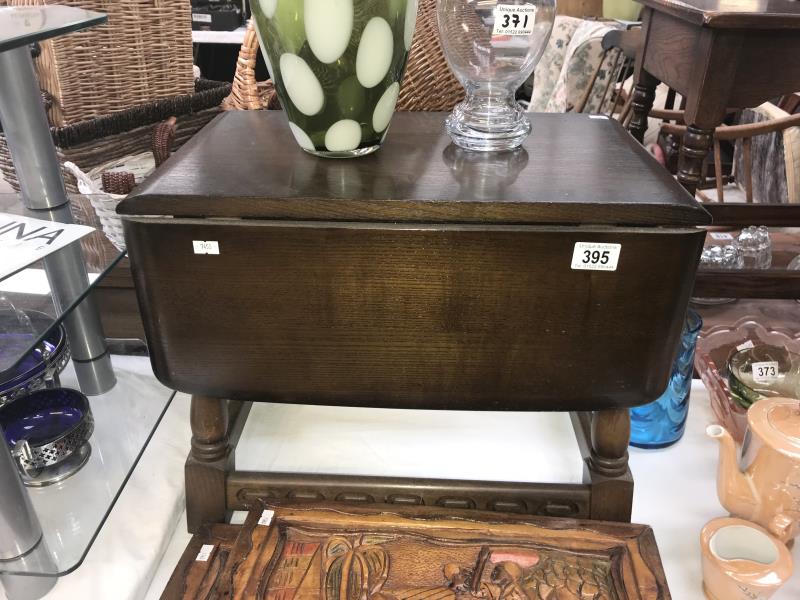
x: 776, y: 421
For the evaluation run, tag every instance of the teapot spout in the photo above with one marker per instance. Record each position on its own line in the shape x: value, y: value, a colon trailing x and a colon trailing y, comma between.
x: 733, y: 487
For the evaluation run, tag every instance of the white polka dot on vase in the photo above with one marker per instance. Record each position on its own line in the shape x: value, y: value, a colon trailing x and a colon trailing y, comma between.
x: 301, y: 84
x: 302, y: 137
x: 384, y: 109
x: 329, y: 25
x: 411, y: 23
x: 343, y: 135
x: 268, y: 7
x: 374, y: 56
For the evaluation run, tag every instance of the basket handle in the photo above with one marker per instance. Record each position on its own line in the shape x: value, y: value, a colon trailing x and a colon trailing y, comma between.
x: 246, y: 92
x: 163, y: 136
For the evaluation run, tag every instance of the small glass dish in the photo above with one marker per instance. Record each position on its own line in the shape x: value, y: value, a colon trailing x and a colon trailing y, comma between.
x: 761, y: 371
x: 48, y: 433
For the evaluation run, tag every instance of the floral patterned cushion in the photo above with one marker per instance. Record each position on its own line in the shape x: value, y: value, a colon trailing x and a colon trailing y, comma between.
x: 548, y: 69
x: 568, y: 64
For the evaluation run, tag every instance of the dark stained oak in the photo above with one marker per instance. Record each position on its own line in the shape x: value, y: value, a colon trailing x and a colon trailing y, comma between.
x: 246, y: 164
x: 718, y: 55
x: 721, y: 14
x: 468, y: 302
x: 419, y: 277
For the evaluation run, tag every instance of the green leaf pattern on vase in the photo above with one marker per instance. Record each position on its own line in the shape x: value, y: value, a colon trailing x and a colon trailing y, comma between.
x: 338, y: 66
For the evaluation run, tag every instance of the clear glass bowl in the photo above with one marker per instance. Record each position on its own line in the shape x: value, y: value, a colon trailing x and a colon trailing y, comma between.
x: 492, y: 47
x: 779, y: 369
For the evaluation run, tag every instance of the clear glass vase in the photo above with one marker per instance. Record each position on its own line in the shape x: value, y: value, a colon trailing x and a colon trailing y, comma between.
x: 662, y: 422
x: 492, y: 47
x: 337, y: 67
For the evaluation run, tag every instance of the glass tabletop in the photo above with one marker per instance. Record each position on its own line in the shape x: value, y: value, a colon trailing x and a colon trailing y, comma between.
x: 20, y: 25
x: 28, y: 290
x: 73, y: 511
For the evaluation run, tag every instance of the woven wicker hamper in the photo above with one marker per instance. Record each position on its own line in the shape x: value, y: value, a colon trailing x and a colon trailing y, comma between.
x: 96, y: 141
x: 142, y: 54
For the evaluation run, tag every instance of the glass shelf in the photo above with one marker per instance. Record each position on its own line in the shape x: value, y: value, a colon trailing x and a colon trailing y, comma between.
x: 28, y: 289
x: 73, y: 511
x: 21, y: 25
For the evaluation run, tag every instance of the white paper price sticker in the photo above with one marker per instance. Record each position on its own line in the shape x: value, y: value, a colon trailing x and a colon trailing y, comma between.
x: 765, y: 372
x: 594, y: 256
x: 514, y: 19
x: 266, y: 517
x: 716, y: 235
x: 205, y: 552
x: 209, y: 247
x: 201, y: 18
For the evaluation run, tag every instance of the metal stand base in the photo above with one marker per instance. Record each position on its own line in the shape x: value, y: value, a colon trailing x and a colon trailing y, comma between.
x: 29, y: 587
x: 26, y: 587
x: 39, y: 173
x: 22, y: 546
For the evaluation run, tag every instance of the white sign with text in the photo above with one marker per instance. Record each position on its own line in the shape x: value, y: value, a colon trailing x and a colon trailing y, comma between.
x: 24, y: 241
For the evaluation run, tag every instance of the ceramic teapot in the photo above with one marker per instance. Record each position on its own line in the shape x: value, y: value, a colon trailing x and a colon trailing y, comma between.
x: 764, y: 486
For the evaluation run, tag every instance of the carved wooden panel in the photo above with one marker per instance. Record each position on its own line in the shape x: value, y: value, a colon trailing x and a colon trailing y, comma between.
x: 320, y: 552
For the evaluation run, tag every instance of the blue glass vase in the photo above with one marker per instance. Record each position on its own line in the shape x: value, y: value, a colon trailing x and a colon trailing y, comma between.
x: 661, y: 423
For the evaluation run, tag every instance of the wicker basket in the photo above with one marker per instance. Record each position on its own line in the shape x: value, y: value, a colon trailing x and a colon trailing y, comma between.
x: 105, y: 204
x: 91, y: 143
x: 428, y: 83
x: 144, y: 53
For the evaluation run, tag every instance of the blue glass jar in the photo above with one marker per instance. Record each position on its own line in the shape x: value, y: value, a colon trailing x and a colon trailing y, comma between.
x: 661, y: 423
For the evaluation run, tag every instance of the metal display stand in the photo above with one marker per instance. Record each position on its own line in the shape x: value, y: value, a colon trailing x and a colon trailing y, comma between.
x: 28, y: 135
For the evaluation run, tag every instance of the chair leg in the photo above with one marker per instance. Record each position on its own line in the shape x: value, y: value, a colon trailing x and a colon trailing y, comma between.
x: 209, y: 460
x: 612, y: 484
x: 695, y: 147
x: 643, y: 96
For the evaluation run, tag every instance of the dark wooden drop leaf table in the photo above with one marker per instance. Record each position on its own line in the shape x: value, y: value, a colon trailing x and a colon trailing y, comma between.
x: 421, y: 276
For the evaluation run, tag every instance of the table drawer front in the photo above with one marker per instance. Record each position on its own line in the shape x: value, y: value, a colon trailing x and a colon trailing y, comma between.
x: 411, y: 316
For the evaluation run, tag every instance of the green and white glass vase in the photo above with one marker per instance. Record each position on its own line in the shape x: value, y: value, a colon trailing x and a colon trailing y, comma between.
x: 337, y: 67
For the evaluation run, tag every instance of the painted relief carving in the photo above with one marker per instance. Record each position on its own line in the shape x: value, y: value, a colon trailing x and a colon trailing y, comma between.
x: 415, y: 567
x: 331, y: 552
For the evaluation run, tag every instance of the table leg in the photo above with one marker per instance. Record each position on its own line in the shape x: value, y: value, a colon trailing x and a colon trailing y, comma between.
x: 208, y: 463
x: 644, y: 93
x: 612, y: 484
x: 694, y: 149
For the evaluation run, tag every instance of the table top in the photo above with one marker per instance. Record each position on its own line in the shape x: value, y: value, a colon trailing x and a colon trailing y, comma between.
x: 733, y: 14
x: 21, y: 25
x: 572, y: 169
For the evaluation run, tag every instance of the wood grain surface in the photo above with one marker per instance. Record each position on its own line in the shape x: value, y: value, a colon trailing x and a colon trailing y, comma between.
x: 723, y: 14
x: 333, y: 553
x: 572, y: 169
x: 411, y: 316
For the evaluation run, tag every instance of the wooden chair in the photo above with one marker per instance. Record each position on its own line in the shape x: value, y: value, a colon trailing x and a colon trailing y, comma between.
x: 745, y: 133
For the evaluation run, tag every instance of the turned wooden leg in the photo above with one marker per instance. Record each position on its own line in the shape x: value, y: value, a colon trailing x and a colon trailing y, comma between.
x: 612, y: 484
x: 644, y: 93
x: 696, y: 144
x: 209, y: 460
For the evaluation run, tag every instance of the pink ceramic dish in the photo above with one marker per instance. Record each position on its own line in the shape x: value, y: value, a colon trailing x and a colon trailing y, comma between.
x: 714, y: 347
